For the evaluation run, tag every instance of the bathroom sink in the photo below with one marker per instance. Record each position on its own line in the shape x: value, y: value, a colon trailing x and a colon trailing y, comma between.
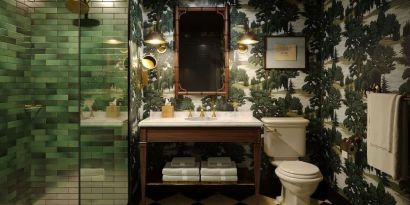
x: 200, y: 118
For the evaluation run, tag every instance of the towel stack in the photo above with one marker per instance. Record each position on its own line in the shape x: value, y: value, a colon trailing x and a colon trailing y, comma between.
x: 181, y: 169
x: 218, y: 169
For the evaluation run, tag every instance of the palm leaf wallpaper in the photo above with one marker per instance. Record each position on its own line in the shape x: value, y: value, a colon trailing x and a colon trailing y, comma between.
x: 353, y: 46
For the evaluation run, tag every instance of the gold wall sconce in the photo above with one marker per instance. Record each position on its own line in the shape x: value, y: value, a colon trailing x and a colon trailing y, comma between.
x: 162, y: 48
x: 155, y: 38
x: 149, y: 62
x: 242, y: 48
x: 248, y: 38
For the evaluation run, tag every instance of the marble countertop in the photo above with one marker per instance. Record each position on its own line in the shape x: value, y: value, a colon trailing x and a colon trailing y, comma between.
x: 223, y: 119
x: 100, y: 119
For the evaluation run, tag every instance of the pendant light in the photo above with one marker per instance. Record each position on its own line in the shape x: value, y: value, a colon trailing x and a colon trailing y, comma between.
x: 155, y: 37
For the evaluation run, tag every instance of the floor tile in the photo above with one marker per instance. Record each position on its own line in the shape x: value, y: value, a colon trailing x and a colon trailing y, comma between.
x: 263, y: 200
x: 177, y: 199
x: 198, y: 195
x: 219, y: 199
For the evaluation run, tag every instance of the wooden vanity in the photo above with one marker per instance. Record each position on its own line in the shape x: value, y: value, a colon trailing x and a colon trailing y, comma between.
x: 228, y: 127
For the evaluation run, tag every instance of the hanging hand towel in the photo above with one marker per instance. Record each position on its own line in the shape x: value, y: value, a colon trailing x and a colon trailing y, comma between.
x: 383, y: 132
x: 382, y: 109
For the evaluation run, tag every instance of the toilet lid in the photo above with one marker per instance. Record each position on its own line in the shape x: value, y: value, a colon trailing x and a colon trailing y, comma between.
x: 299, y: 168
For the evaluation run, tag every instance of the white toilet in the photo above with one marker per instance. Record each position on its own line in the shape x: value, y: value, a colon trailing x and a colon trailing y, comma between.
x: 285, y: 142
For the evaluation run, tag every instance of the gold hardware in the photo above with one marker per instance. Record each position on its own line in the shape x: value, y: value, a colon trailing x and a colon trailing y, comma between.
x: 189, y: 113
x: 274, y: 130
x: 213, y: 112
x: 202, y: 114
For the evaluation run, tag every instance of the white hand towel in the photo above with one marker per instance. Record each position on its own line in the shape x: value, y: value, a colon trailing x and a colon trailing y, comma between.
x: 219, y: 178
x: 183, y: 162
x: 383, y: 148
x: 218, y: 171
x: 219, y: 162
x: 382, y: 110
x: 180, y: 171
x: 168, y: 178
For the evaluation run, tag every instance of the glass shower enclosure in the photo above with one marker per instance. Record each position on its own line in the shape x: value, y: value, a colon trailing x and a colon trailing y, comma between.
x: 64, y: 102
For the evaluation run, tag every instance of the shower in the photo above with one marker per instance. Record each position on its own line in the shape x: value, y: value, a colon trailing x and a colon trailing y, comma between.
x: 81, y: 7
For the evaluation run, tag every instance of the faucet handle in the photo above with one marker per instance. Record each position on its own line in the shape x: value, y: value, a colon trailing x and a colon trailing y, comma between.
x: 189, y: 113
x: 202, y: 114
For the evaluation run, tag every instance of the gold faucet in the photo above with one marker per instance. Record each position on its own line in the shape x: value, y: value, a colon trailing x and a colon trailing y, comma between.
x: 214, y: 111
x: 202, y: 114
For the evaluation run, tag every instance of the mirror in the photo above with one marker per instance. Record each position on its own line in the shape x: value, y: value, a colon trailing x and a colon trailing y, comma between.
x: 201, y: 51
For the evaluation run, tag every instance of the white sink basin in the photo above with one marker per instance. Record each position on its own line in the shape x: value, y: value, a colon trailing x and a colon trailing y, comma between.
x: 200, y: 118
x: 222, y: 119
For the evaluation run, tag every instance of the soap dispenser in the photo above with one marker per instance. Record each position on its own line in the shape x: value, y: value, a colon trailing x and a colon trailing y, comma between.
x: 167, y: 110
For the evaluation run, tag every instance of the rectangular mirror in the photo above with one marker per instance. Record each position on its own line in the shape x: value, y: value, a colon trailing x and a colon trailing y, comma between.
x: 201, y: 51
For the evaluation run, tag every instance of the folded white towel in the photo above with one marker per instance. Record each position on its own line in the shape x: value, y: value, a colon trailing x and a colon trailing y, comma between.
x: 383, y: 147
x: 218, y: 171
x: 382, y: 117
x: 219, y: 178
x: 183, y: 162
x: 219, y: 162
x: 180, y: 171
x: 168, y: 178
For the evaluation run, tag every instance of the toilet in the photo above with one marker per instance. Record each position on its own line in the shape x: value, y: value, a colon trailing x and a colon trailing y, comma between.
x: 285, y: 142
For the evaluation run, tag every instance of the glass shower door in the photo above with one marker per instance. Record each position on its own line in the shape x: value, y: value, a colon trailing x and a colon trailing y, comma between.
x: 104, y: 103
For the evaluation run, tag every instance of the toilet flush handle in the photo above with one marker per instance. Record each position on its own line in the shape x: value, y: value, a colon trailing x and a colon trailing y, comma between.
x: 275, y: 131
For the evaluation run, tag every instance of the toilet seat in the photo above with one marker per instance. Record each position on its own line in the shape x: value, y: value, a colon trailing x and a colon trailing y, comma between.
x: 298, y: 170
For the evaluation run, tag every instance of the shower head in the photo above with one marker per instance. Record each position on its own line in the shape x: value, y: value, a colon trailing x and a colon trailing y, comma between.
x: 86, y: 22
x: 81, y: 7
x: 77, y: 6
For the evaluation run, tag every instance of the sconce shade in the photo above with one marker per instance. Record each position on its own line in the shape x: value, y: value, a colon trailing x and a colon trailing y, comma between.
x: 149, y: 62
x: 154, y: 38
x: 248, y: 38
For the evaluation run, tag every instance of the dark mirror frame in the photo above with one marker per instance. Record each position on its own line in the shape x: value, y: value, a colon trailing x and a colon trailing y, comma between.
x: 224, y: 12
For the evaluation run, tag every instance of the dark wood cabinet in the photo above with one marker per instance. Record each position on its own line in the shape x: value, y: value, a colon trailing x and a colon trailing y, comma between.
x: 201, y: 134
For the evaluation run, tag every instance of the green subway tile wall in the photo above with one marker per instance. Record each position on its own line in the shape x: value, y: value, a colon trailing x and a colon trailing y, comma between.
x: 46, y: 60
x: 55, y: 84
x: 104, y: 74
x: 14, y: 83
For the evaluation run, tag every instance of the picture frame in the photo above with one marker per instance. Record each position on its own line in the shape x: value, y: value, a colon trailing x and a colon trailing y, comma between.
x: 285, y: 52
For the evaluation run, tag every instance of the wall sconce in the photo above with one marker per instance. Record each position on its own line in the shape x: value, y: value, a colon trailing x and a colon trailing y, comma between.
x: 155, y: 37
x: 149, y: 62
x: 248, y: 38
x: 162, y: 48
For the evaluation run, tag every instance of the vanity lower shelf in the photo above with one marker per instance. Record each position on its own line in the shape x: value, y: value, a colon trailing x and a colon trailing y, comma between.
x: 244, y: 178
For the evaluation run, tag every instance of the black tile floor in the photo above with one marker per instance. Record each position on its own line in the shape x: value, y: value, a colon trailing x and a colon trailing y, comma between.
x: 212, y: 196
x: 219, y: 199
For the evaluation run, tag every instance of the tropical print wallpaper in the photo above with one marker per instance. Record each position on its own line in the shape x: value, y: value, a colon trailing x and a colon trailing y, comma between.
x: 352, y: 46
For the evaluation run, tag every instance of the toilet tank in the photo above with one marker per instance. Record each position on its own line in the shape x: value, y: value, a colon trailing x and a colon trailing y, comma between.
x: 285, y: 137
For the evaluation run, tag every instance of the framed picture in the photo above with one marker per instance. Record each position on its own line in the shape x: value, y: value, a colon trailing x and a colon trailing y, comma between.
x: 285, y: 52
